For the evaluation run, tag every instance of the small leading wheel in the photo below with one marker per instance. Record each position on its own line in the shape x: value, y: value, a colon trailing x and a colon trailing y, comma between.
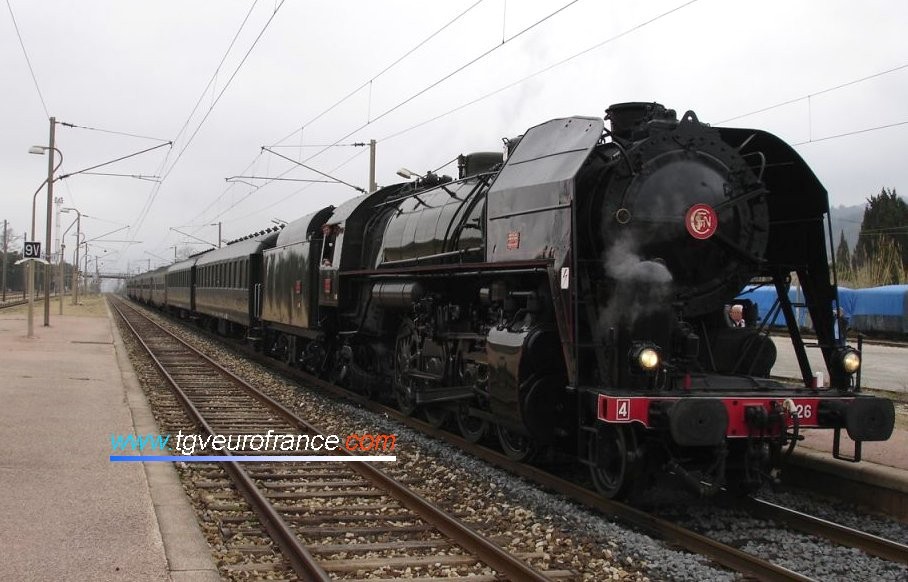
x: 615, y: 461
x: 473, y: 429
x: 516, y: 446
x: 436, y: 415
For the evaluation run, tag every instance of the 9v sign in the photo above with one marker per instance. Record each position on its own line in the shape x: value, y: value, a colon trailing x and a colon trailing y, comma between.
x: 32, y: 250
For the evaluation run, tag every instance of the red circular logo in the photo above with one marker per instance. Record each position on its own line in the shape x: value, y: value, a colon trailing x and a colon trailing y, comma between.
x: 701, y: 221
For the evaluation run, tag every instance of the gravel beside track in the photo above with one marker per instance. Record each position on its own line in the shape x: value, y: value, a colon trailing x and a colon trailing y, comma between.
x: 516, y: 514
x: 810, y: 555
x: 395, y: 531
x: 526, y: 520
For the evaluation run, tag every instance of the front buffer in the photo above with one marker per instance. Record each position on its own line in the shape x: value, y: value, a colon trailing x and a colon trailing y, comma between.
x: 711, y: 441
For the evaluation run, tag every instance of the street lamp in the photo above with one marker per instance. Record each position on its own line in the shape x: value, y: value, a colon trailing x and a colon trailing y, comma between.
x: 50, y: 203
x: 76, y: 265
x: 408, y: 174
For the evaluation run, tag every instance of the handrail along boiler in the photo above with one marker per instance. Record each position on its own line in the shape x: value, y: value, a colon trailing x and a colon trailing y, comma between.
x: 573, y: 296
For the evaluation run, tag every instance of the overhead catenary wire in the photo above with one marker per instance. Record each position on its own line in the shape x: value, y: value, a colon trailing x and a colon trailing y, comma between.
x: 457, y: 70
x: 27, y: 60
x: 217, y: 69
x: 850, y: 133
x: 121, y: 158
x: 123, y: 133
x: 340, y: 101
x: 136, y: 176
x: 816, y: 93
x: 442, y: 79
x: 541, y: 71
x: 289, y: 196
x: 387, y: 68
x: 224, y: 89
x: 166, y: 173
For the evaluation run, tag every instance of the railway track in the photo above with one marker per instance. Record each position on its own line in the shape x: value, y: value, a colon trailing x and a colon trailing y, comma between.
x: 846, y: 536
x: 719, y: 552
x: 19, y: 302
x: 306, y: 507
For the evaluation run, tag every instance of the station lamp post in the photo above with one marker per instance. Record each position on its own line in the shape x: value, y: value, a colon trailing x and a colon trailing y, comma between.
x: 75, y: 288
x: 50, y: 203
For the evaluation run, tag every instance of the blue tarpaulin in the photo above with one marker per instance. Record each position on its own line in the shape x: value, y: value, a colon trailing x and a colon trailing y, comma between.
x: 879, y: 309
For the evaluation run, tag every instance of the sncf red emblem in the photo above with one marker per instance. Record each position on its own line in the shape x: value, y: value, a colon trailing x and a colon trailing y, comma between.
x: 701, y: 221
x: 513, y: 240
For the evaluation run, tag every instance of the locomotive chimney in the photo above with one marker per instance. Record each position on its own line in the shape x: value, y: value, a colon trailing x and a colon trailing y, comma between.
x: 628, y: 119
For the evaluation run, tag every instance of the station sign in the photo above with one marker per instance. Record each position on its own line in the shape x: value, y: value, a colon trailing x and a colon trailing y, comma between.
x: 32, y: 250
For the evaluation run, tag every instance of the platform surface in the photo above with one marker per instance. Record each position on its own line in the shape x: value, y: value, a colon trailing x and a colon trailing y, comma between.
x: 67, y: 512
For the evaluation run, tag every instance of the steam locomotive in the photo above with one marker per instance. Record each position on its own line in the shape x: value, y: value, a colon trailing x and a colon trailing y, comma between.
x: 568, y: 295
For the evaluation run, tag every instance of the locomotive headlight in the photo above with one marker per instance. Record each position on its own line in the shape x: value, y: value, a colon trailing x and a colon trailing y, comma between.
x: 849, y: 360
x: 646, y: 357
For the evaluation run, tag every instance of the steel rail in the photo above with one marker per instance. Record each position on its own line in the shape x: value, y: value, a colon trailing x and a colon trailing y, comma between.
x: 719, y: 552
x: 301, y: 561
x: 19, y: 302
x: 485, y: 550
x: 846, y: 536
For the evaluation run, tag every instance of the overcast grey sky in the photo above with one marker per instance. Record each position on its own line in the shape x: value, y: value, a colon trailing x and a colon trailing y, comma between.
x: 141, y: 67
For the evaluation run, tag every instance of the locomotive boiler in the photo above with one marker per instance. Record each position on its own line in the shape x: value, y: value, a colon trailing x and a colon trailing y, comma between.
x: 571, y: 296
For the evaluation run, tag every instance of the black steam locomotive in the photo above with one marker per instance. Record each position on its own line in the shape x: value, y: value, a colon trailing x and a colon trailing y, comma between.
x: 570, y: 297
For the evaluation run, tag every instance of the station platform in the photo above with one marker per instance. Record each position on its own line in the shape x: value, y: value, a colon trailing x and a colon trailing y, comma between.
x: 67, y: 512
